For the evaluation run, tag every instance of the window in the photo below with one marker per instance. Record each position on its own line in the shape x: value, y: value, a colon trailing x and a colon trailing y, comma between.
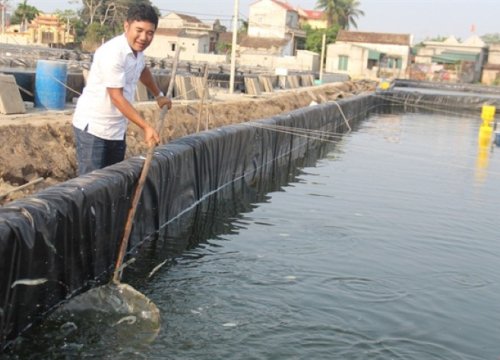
x: 399, y: 63
x: 343, y: 62
x: 172, y: 47
x: 371, y: 64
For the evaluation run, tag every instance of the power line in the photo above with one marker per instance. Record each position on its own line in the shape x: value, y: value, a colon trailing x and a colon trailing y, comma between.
x: 197, y: 14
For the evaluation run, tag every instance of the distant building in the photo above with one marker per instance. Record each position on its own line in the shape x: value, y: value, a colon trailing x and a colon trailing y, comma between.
x: 369, y: 55
x: 174, y: 29
x: 273, y: 39
x: 453, y: 60
x: 49, y: 29
x: 491, y: 70
x: 273, y: 19
x: 45, y: 30
x: 314, y: 18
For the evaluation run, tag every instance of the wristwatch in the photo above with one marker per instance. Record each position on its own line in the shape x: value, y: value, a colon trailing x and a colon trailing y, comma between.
x: 160, y: 94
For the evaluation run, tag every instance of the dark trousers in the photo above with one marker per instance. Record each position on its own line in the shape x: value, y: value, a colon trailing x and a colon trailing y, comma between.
x: 94, y: 153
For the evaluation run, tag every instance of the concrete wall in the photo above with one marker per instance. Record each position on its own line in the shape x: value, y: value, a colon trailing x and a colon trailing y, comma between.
x: 304, y: 61
x: 494, y: 54
x: 16, y: 39
x: 491, y: 77
x: 207, y: 58
x: 267, y: 19
x: 161, y: 47
x: 358, y: 58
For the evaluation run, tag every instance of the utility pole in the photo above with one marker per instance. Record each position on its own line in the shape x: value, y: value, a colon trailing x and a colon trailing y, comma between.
x: 233, y: 46
x: 322, y: 60
x: 4, y: 3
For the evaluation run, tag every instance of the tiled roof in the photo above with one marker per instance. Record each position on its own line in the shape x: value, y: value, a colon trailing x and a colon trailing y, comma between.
x: 262, y: 43
x: 179, y: 33
x: 314, y: 14
x: 168, y: 32
x: 284, y: 5
x: 188, y: 18
x: 226, y: 37
x: 374, y: 38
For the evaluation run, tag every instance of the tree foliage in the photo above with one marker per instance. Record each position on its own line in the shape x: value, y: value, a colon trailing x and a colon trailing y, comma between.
x: 341, y: 12
x: 73, y: 23
x: 314, y: 37
x: 348, y: 12
x: 24, y: 13
x: 491, y: 38
x: 109, y: 15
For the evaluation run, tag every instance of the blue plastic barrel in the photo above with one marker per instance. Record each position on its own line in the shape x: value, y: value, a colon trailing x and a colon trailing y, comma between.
x: 50, y: 84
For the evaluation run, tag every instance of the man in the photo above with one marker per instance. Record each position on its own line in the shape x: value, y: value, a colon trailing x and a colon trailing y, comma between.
x: 105, y: 106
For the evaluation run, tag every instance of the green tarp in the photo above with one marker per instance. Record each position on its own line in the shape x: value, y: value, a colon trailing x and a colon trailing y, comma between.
x: 454, y: 57
x: 374, y: 55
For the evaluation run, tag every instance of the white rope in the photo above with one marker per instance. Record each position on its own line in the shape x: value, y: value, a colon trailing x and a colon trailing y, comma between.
x: 320, y: 135
x: 427, y: 105
x: 342, y: 113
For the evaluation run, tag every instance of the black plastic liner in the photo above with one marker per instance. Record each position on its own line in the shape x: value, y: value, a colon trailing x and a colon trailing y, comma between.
x: 441, y: 86
x: 64, y: 240
x: 427, y: 95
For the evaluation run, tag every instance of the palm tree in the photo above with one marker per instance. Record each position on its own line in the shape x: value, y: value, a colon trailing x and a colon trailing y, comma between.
x: 348, y: 11
x: 24, y: 13
x: 329, y: 7
x: 343, y: 12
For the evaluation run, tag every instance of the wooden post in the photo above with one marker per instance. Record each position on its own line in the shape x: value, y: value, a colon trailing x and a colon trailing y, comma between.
x: 203, y: 95
x: 233, y: 46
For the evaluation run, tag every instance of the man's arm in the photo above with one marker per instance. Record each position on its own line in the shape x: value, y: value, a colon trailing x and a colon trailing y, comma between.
x: 150, y: 135
x: 148, y: 80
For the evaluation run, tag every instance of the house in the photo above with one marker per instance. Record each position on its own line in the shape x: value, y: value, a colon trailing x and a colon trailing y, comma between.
x: 369, y: 55
x: 314, y: 18
x: 166, y: 41
x: 491, y: 70
x: 49, y: 29
x: 174, y: 29
x: 272, y: 39
x: 182, y: 21
x: 273, y: 19
x: 45, y: 30
x: 453, y: 60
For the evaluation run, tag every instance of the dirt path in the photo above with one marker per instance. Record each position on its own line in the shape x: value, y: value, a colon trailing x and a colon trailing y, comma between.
x: 40, y: 143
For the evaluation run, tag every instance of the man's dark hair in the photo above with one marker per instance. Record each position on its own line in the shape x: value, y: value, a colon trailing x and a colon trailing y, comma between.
x: 142, y: 12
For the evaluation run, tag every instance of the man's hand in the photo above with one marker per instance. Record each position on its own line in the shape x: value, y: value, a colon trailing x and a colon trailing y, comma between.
x: 163, y: 100
x: 151, y: 137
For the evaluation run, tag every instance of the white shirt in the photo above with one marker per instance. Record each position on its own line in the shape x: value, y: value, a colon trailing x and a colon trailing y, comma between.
x: 114, y: 66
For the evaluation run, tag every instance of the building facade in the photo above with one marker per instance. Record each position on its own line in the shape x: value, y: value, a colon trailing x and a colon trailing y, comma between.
x: 451, y: 60
x: 369, y: 55
x: 273, y: 19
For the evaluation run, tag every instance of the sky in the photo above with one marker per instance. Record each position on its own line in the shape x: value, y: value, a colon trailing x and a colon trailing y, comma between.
x: 424, y: 19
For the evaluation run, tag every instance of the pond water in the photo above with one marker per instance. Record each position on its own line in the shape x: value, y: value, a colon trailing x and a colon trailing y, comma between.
x: 385, y: 248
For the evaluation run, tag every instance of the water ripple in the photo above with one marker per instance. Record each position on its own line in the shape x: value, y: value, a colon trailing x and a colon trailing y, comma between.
x: 463, y: 280
x: 366, y: 289
x: 401, y: 348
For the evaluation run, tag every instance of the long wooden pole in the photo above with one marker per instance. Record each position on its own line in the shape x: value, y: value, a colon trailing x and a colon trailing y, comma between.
x: 32, y: 182
x: 233, y: 46
x: 142, y: 179
x: 322, y: 60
